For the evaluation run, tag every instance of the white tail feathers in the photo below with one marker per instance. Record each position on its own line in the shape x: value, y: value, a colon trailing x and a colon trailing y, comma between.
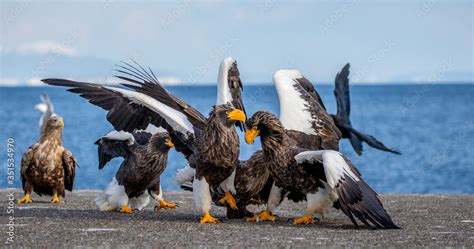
x: 113, y: 197
x: 139, y: 202
x: 183, y: 175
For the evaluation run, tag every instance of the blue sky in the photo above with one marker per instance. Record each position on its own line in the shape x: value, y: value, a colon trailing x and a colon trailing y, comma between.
x: 184, y: 41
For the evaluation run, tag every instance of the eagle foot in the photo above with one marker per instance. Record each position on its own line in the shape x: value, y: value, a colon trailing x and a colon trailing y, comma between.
x: 55, y: 199
x: 25, y: 199
x: 229, y: 200
x: 126, y: 209
x: 305, y: 220
x: 165, y: 205
x: 264, y: 215
x: 207, y: 218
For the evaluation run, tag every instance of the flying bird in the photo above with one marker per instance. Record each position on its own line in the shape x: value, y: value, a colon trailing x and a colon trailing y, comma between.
x: 47, y: 110
x: 211, y: 144
x: 325, y: 178
x: 145, y: 157
x: 47, y: 167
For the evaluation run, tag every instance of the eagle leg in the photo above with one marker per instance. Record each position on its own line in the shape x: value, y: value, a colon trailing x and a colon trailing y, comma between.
x: 25, y: 199
x: 165, y: 205
x: 126, y: 209
x: 55, y: 199
x: 207, y: 218
x: 265, y: 215
x: 229, y: 199
x: 306, y: 220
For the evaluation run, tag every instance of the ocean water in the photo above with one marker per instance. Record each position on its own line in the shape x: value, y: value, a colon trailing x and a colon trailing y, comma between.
x: 432, y: 125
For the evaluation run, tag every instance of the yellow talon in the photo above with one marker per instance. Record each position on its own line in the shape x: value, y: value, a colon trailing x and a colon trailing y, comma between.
x: 25, y: 199
x: 229, y: 199
x: 306, y: 219
x: 55, y: 199
x: 265, y: 215
x: 166, y: 205
x: 126, y: 209
x: 207, y: 218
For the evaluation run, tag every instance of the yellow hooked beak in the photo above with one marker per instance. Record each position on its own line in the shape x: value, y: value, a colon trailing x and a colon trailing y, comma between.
x: 251, y: 134
x: 61, y: 123
x: 237, y: 115
x: 169, y: 143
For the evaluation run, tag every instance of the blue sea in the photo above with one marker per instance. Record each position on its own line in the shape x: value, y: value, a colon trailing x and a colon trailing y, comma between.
x: 432, y: 125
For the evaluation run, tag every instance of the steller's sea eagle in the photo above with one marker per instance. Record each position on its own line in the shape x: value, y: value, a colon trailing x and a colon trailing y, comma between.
x: 145, y: 158
x: 47, y: 167
x: 325, y: 178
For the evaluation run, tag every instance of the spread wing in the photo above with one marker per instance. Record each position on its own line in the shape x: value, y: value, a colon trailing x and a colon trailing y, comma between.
x: 301, y: 111
x: 129, y: 110
x: 309, y: 87
x: 147, y: 83
x: 113, y: 144
x: 355, y: 197
x: 69, y: 164
x: 342, y: 118
x: 236, y: 88
x: 341, y: 92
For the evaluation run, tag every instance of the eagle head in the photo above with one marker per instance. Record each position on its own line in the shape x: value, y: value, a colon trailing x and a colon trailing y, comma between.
x: 55, y: 122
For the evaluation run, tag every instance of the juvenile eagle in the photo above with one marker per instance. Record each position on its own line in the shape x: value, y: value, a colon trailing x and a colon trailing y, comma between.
x: 47, y: 167
x: 138, y: 177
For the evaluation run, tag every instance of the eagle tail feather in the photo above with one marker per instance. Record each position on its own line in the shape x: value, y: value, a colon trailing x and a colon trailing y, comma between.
x: 112, y: 198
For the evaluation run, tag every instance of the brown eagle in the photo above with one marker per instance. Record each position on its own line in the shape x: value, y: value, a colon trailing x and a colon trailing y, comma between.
x: 47, y: 167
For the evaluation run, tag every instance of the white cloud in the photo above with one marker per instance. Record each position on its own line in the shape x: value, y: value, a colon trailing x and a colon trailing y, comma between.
x: 34, y: 82
x: 42, y: 47
x: 9, y: 82
x: 170, y: 81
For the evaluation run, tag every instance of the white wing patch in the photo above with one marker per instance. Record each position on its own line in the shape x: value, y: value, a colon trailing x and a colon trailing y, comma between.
x: 335, y: 167
x: 223, y: 92
x: 294, y: 113
x: 153, y: 129
x: 176, y: 119
x: 121, y: 136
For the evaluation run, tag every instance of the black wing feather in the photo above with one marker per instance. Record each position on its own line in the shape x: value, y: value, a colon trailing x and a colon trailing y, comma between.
x: 357, y: 198
x: 109, y: 148
x: 309, y: 87
x: 149, y: 85
x: 236, y: 88
x: 342, y: 118
x: 124, y: 114
x: 341, y: 91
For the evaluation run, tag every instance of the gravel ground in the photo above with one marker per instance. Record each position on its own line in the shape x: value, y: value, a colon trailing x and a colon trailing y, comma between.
x: 427, y: 220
